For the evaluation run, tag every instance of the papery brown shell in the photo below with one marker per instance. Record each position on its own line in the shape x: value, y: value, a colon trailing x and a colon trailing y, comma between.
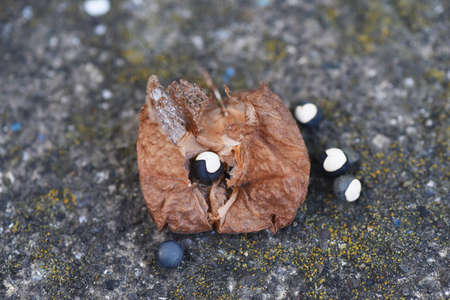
x: 258, y: 138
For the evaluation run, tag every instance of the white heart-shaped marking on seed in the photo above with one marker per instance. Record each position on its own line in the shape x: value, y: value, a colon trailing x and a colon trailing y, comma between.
x: 211, y: 159
x: 305, y: 113
x: 335, y: 159
x: 353, y: 190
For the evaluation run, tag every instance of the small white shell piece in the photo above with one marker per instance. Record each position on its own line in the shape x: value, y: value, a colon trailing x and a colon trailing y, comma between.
x: 353, y: 190
x: 211, y: 159
x: 335, y: 159
x: 305, y: 113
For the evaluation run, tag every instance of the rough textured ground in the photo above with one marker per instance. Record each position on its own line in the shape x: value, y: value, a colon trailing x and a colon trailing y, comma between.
x: 73, y: 223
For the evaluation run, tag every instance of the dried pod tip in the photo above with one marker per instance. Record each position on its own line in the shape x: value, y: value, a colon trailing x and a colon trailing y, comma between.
x: 210, y: 84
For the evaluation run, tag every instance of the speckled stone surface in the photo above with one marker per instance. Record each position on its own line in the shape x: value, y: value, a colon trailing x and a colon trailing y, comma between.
x: 73, y: 223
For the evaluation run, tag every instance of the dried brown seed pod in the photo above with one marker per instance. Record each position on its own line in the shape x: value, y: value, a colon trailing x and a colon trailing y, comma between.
x: 257, y: 139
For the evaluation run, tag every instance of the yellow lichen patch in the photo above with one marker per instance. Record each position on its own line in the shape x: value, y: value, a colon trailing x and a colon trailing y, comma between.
x: 372, y: 26
x: 15, y: 228
x: 411, y: 12
x: 55, y: 269
x: 69, y: 197
x: 435, y: 74
x: 55, y: 199
x: 332, y: 13
x: 133, y: 56
x: 275, y: 49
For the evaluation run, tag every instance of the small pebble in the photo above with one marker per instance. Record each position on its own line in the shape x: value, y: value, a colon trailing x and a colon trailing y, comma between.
x: 207, y: 167
x: 347, y: 188
x: 96, y: 8
x: 106, y: 94
x: 27, y: 12
x: 169, y: 254
x: 198, y: 42
x: 381, y: 142
x: 409, y: 82
x: 308, y: 114
x: 334, y: 161
x: 100, y: 29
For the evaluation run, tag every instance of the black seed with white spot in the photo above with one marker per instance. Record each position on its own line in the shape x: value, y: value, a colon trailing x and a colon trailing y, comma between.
x: 307, y: 114
x: 334, y: 161
x: 207, y: 167
x: 347, y: 188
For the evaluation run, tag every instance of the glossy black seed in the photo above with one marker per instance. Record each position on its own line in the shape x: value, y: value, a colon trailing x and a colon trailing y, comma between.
x: 335, y: 156
x: 201, y: 172
x: 341, y: 187
x: 169, y: 254
x: 310, y: 121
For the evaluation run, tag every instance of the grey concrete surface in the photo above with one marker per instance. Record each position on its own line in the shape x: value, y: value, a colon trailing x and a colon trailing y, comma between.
x: 73, y: 223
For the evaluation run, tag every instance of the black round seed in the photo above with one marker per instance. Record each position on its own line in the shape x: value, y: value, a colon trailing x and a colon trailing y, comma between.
x: 200, y: 171
x: 304, y: 114
x: 334, y: 162
x: 169, y: 254
x: 347, y: 188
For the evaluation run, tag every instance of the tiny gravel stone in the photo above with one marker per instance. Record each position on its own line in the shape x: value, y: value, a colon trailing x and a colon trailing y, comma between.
x: 27, y: 12
x: 381, y: 142
x: 106, y: 94
x: 100, y: 29
x: 169, y: 254
x: 347, y: 188
x: 409, y: 82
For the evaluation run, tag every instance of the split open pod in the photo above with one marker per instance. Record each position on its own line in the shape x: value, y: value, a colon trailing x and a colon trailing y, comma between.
x: 265, y: 165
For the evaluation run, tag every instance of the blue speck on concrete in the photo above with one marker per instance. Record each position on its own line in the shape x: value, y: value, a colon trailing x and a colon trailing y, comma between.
x: 16, y: 126
x: 263, y: 2
x: 396, y: 222
x: 41, y: 137
x: 229, y: 72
